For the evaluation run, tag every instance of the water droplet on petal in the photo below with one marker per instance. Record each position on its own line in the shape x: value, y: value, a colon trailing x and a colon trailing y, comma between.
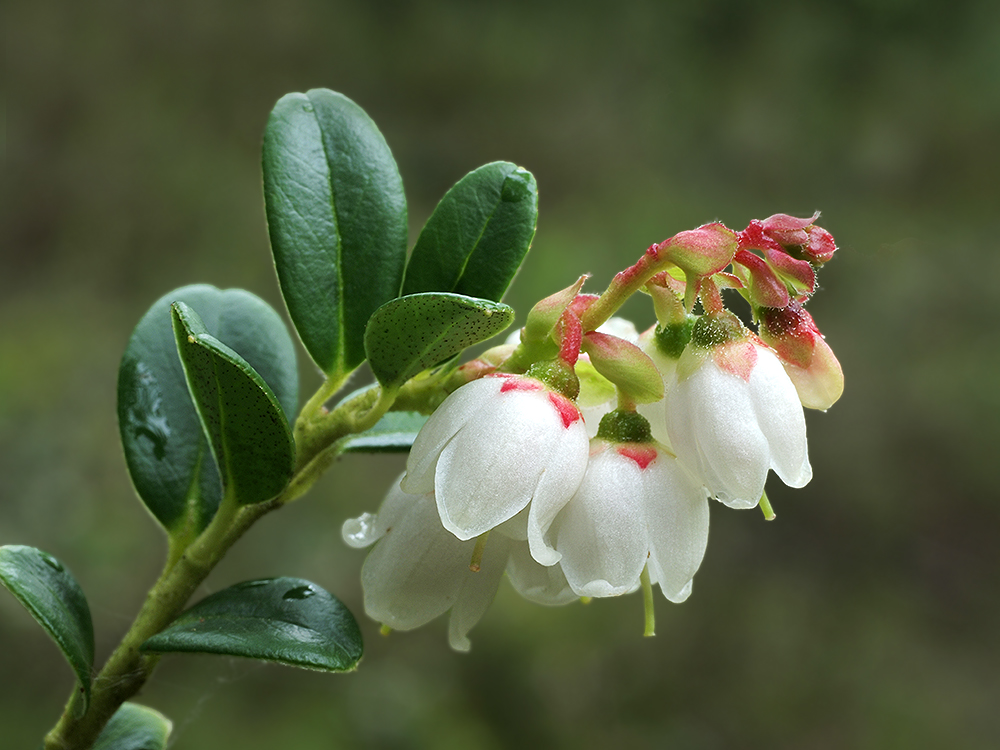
x: 299, y: 592
x: 362, y: 531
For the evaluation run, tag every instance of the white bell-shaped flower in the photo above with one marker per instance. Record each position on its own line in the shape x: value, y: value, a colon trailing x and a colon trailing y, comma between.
x: 732, y: 414
x: 418, y: 570
x: 495, y: 446
x: 636, y: 506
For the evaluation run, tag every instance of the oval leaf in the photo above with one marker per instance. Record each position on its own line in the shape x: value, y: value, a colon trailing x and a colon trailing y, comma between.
x: 135, y: 727
x: 285, y: 620
x: 336, y: 215
x: 246, y: 427
x: 54, y: 598
x: 394, y: 433
x: 168, y: 458
x: 411, y: 334
x: 478, y: 235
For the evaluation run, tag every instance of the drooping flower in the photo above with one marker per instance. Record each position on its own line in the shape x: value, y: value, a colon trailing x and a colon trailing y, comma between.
x: 418, y: 570
x: 496, y: 446
x: 636, y: 506
x: 732, y: 413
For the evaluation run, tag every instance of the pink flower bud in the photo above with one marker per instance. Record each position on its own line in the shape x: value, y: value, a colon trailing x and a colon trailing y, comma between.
x: 808, y: 359
x: 702, y: 251
x: 790, y: 233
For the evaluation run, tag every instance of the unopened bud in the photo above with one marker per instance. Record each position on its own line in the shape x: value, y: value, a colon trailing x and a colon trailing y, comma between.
x: 808, y: 359
x: 545, y: 314
x: 702, y: 251
x: 797, y: 236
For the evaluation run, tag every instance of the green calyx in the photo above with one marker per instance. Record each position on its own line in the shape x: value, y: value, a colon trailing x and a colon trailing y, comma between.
x: 624, y: 427
x: 558, y: 376
x: 710, y: 331
x: 673, y: 337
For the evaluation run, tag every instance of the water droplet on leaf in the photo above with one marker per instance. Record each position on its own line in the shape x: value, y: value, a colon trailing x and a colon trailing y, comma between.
x: 516, y: 187
x: 299, y: 592
x: 53, y: 563
x: 144, y: 417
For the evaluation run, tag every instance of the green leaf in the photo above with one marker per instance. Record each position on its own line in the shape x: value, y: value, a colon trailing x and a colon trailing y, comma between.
x: 134, y: 727
x: 411, y: 334
x: 478, y: 235
x: 394, y: 433
x: 246, y: 427
x: 54, y: 598
x: 284, y: 620
x: 168, y: 457
x: 336, y: 215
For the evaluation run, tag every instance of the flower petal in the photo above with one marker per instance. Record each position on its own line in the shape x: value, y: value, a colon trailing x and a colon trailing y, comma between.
x: 491, y: 469
x: 780, y: 418
x: 713, y: 430
x: 416, y: 571
x: 542, y: 584
x: 449, y: 418
x: 562, y: 476
x: 601, y: 532
x: 676, y: 514
x: 478, y: 591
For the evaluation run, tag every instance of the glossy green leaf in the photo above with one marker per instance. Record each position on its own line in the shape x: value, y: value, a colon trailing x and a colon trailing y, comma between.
x: 168, y: 458
x: 135, y: 727
x: 394, y: 433
x: 414, y: 333
x: 247, y: 429
x: 478, y: 235
x: 336, y: 215
x: 54, y: 598
x: 284, y: 620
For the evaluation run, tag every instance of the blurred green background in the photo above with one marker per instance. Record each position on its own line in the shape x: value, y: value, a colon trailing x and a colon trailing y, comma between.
x: 866, y: 616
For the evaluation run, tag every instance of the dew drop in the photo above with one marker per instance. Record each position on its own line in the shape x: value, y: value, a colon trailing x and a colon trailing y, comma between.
x: 360, y: 532
x: 516, y: 187
x: 144, y: 417
x: 299, y: 592
x: 53, y: 563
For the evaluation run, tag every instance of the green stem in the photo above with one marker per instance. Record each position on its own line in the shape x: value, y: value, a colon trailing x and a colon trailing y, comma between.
x: 765, y: 506
x: 647, y: 603
x: 318, y: 437
x: 622, y: 286
x: 322, y: 395
x: 475, y: 564
x: 127, y: 669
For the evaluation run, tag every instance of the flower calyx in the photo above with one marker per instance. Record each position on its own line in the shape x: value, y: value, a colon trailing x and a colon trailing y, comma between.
x: 557, y: 375
x: 672, y: 338
x: 624, y: 426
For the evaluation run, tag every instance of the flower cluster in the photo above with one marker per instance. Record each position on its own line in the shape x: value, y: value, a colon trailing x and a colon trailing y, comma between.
x: 582, y: 458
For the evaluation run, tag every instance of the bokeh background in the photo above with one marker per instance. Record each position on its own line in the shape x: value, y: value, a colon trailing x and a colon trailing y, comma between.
x: 866, y: 616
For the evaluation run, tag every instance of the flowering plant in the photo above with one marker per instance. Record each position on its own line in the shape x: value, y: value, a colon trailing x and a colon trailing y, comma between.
x: 579, y: 458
